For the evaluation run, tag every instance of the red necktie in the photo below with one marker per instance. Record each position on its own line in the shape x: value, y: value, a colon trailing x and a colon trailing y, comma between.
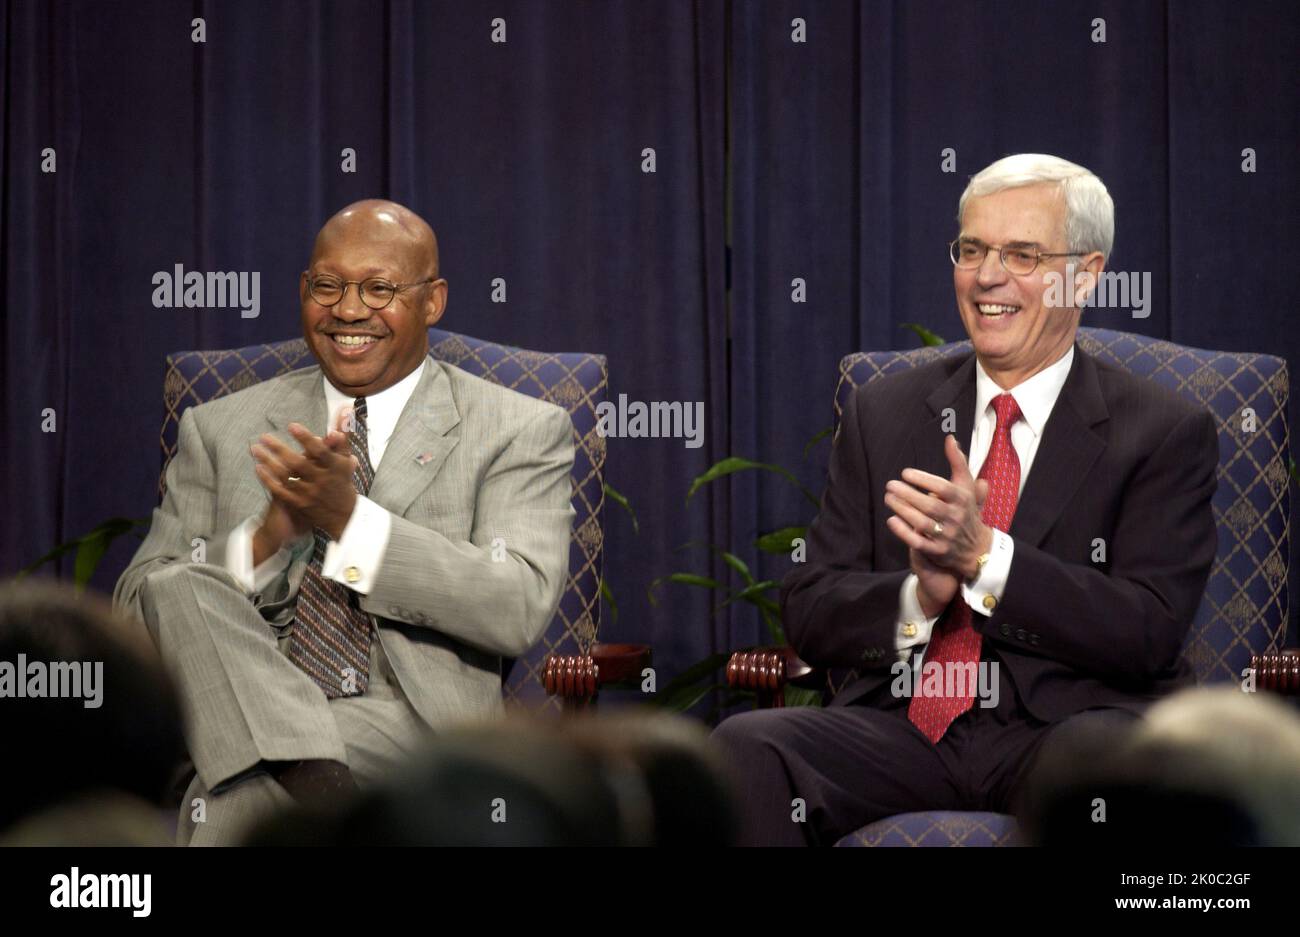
x: 955, y: 640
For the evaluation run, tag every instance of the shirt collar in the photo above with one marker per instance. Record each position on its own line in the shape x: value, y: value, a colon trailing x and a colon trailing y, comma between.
x: 382, y: 408
x: 1036, y: 395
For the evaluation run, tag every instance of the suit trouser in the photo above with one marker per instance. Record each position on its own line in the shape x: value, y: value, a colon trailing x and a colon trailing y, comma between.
x: 245, y: 702
x: 859, y: 763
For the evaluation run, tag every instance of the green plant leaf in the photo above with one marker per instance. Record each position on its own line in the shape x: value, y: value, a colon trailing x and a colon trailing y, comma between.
x: 88, y: 557
x: 738, y: 565
x: 686, y: 579
x: 698, y: 671
x: 687, y: 697
x: 89, y: 552
x: 928, y: 338
x: 609, y: 598
x: 822, y: 434
x: 802, y: 696
x: 733, y: 464
x: 621, y: 500
x: 684, y: 691
x: 752, y: 592
x: 780, y: 541
x: 772, y: 618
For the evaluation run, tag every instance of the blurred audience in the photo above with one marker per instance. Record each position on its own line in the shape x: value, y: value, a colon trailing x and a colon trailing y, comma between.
x: 1206, y: 767
x: 90, y: 724
x: 94, y: 763
x: 626, y: 779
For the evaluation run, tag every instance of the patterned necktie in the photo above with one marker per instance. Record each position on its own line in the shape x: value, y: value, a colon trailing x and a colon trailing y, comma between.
x: 955, y: 640
x: 331, y: 634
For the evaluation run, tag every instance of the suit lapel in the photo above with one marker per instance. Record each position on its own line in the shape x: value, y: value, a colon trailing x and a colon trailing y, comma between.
x: 301, y: 400
x: 1066, y: 454
x: 420, y: 443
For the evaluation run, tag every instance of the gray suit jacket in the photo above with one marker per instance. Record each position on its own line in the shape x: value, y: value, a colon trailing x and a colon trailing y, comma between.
x: 469, y: 462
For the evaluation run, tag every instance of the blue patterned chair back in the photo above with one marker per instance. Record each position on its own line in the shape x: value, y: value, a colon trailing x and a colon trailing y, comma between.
x: 576, y: 381
x: 1244, y: 610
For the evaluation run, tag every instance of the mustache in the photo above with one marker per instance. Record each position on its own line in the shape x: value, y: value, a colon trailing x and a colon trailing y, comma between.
x: 336, y: 330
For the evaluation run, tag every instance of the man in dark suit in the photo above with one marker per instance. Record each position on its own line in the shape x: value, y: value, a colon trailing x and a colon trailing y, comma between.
x: 1055, y: 567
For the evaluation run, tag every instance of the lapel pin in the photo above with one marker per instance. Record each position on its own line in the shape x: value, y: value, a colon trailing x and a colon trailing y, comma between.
x: 424, y: 458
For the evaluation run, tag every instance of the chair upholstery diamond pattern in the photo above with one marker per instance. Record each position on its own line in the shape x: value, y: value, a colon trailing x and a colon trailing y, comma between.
x: 1245, y: 608
x: 576, y: 381
x: 937, y: 828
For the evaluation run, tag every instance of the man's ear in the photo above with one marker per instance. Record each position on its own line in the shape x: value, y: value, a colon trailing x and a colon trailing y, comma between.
x: 1085, y: 277
x: 436, y: 303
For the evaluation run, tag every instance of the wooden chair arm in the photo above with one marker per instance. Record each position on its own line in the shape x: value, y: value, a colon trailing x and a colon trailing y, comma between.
x: 766, y: 670
x: 577, y: 678
x: 1278, y: 673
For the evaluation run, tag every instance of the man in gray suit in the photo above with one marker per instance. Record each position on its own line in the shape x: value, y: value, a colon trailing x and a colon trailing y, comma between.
x: 358, y: 588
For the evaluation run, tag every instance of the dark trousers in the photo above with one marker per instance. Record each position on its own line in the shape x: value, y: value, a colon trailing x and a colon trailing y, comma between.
x: 852, y: 765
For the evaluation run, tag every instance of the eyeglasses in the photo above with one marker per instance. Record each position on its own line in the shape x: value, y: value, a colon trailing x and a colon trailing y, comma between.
x: 375, y: 292
x: 1020, y: 260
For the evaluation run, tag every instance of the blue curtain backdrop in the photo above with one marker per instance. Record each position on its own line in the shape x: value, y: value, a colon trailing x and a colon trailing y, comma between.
x: 775, y: 159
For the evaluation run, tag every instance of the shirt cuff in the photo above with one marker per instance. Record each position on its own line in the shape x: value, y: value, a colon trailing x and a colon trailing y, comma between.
x: 239, y: 559
x: 354, y: 558
x: 984, y: 594
x: 913, y: 627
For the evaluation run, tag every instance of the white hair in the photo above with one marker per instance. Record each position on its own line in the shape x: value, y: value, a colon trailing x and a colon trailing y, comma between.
x: 1244, y: 746
x: 1089, y: 211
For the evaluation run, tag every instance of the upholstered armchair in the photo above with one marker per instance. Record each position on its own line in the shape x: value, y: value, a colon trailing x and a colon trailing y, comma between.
x: 1242, y: 619
x: 568, y: 666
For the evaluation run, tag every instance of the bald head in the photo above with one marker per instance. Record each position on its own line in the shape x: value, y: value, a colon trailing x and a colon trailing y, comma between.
x: 379, y: 220
x: 364, y: 349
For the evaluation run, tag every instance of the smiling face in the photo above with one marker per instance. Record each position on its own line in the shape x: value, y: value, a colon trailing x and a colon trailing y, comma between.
x: 362, y: 350
x: 1015, y: 333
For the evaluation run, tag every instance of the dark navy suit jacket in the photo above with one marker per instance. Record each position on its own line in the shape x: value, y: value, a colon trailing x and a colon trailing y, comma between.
x: 1121, y: 459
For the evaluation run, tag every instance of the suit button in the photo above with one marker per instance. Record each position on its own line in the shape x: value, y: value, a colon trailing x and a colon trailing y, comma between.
x: 1020, y: 634
x: 1005, y: 630
x: 1033, y: 639
x: 990, y: 602
x: 909, y: 629
x: 352, y: 574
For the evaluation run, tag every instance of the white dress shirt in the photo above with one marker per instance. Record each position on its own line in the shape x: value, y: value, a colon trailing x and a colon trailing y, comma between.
x: 360, y: 547
x: 1036, y: 396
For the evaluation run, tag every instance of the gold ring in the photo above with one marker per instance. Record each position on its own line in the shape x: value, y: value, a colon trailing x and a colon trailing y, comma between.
x: 938, y: 528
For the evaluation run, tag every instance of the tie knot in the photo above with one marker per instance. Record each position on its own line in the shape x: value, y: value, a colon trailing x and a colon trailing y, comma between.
x: 1007, y: 409
x: 359, y: 410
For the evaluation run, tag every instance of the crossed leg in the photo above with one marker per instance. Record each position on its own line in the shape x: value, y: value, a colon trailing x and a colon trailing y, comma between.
x: 245, y: 702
